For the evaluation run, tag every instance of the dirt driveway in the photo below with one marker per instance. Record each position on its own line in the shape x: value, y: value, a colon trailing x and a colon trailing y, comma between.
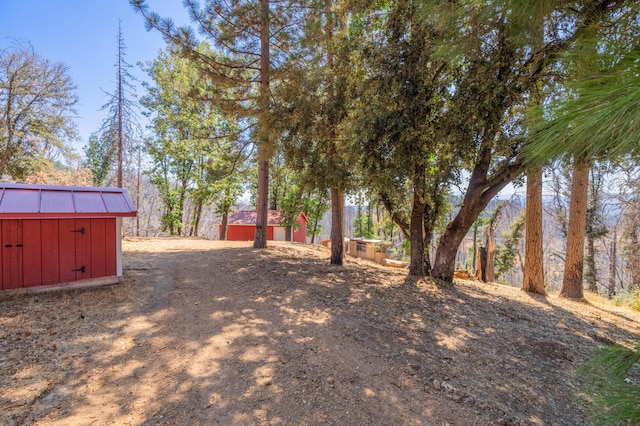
x: 202, y: 332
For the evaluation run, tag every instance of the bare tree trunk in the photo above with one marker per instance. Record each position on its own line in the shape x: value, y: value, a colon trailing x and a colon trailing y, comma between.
x: 138, y: 191
x: 634, y: 256
x: 416, y: 224
x: 197, y: 215
x: 223, y: 227
x: 572, y: 287
x: 533, y: 280
x: 315, y: 229
x: 264, y: 145
x: 337, y: 220
x: 613, y: 265
x: 475, y: 247
x: 416, y: 265
x: 590, y: 260
x: 120, y: 108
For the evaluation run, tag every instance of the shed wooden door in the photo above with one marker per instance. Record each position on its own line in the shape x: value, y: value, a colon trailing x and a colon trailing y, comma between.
x: 50, y: 251
x: 11, y: 254
x: 87, y: 248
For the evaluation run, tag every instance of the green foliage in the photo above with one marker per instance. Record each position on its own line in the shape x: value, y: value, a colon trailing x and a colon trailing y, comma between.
x: 37, y: 99
x: 629, y: 297
x: 192, y: 149
x: 596, y: 113
x: 316, y: 205
x: 398, y: 95
x: 363, y: 226
x: 613, y: 399
x: 99, y: 158
x: 507, y: 252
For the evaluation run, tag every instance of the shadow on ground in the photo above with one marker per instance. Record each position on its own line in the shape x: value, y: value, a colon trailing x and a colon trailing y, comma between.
x: 233, y: 335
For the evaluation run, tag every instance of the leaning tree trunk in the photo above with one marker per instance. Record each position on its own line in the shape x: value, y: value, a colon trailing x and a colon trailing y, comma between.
x: 337, y: 220
x: 480, y: 191
x: 533, y: 280
x: 574, y: 261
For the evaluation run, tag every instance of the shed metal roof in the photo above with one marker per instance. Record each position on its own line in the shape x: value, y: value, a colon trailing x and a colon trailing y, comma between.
x: 249, y: 217
x: 19, y: 201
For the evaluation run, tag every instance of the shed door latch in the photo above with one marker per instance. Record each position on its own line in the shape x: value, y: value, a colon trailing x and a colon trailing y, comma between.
x: 81, y: 230
x: 82, y: 269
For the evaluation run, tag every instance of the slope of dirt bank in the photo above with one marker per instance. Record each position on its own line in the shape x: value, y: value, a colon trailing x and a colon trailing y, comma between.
x: 204, y: 332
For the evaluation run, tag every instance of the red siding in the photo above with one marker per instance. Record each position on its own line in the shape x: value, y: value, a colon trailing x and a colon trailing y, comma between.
x: 11, y: 254
x: 241, y: 233
x: 300, y: 235
x: 41, y: 252
x: 32, y: 252
x: 67, y: 244
x: 83, y: 249
x: 51, y: 248
x: 110, y: 256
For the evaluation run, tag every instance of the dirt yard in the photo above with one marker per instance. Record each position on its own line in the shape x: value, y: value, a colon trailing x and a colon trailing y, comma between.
x: 203, y: 332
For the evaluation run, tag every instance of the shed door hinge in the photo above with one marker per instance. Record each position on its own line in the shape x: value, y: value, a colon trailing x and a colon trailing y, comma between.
x: 81, y: 230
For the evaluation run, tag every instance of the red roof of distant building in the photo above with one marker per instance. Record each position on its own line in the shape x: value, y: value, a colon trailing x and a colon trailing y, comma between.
x: 248, y: 217
x: 49, y: 201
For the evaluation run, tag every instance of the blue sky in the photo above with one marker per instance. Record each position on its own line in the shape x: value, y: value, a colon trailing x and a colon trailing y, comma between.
x: 83, y: 35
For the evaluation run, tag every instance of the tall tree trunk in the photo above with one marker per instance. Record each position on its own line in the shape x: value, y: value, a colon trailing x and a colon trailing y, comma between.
x: 315, y: 229
x: 120, y: 107
x: 337, y: 220
x: 196, y: 219
x: 416, y: 224
x: 264, y: 145
x: 634, y: 257
x: 574, y: 262
x: 475, y: 246
x: 138, y: 191
x: 223, y: 226
x: 590, y: 261
x: 613, y: 265
x: 533, y: 280
x: 490, y: 273
x: 337, y: 193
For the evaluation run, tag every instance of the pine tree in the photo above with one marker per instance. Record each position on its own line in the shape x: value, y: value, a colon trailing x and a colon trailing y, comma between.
x: 120, y: 128
x: 251, y: 46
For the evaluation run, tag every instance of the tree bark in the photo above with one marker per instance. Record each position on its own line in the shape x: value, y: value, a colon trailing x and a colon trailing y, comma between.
x: 533, y: 280
x: 416, y: 223
x: 416, y: 265
x: 613, y: 265
x: 590, y: 260
x: 337, y: 220
x: 572, y: 287
x: 223, y: 227
x: 264, y: 144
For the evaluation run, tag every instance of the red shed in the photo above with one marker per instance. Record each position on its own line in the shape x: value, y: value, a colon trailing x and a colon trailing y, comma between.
x: 57, y: 235
x: 241, y: 226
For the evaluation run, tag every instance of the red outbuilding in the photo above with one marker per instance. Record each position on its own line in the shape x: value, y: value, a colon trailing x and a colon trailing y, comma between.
x: 53, y: 236
x: 241, y: 226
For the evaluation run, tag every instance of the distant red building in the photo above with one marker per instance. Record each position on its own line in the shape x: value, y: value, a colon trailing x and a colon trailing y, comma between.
x: 59, y: 235
x: 241, y: 226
